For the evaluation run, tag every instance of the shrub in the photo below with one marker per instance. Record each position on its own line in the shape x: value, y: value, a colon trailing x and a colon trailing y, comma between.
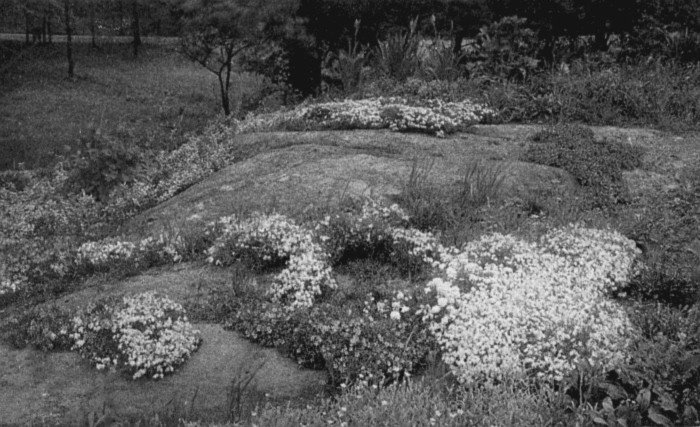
x: 506, y: 49
x: 102, y: 165
x: 370, y: 341
x: 596, y: 165
x: 42, y: 327
x: 143, y: 335
x: 658, y: 383
x: 663, y: 94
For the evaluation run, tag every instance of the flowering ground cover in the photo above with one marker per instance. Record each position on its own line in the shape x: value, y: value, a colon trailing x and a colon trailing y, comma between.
x: 431, y: 116
x: 361, y: 293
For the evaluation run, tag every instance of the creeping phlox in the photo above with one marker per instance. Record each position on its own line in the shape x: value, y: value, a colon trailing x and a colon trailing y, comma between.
x: 146, y: 335
x: 101, y: 254
x: 272, y: 240
x: 433, y: 116
x: 506, y: 307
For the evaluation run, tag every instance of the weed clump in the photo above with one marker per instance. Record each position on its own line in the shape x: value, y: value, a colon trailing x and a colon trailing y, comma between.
x: 596, y: 165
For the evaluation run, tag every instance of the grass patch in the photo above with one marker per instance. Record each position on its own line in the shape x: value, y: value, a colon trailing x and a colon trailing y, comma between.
x: 151, y: 101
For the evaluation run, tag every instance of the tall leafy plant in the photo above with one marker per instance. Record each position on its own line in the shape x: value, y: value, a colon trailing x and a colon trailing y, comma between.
x: 398, y: 54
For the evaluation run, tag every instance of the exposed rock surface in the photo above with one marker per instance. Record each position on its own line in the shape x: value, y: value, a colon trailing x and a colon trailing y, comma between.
x: 287, y: 172
x: 290, y: 171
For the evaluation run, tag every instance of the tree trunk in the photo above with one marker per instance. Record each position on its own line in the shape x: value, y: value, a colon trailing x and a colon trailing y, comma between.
x: 69, y: 38
x: 92, y: 24
x: 136, y: 27
x: 457, y: 42
x: 26, y: 26
x: 225, y: 101
x: 44, y: 28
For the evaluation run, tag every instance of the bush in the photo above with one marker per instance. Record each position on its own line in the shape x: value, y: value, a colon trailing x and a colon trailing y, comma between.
x: 666, y: 227
x: 658, y: 384
x: 663, y: 94
x: 102, y: 165
x: 371, y: 341
x: 596, y: 165
x: 506, y: 49
x: 42, y: 327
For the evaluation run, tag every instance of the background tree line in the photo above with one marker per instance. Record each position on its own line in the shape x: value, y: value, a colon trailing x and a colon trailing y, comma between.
x: 304, y: 31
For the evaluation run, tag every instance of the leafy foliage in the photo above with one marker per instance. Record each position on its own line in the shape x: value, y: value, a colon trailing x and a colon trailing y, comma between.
x: 506, y: 49
x: 44, y: 327
x: 102, y: 165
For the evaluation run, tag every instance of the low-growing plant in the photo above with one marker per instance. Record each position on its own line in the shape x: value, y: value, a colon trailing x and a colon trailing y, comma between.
x: 657, y: 384
x: 141, y: 335
x: 596, y: 165
x: 103, y: 164
x: 370, y: 341
x: 426, y: 402
x: 43, y: 327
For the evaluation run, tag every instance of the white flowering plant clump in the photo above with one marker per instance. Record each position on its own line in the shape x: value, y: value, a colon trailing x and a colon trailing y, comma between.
x: 145, y: 335
x: 271, y: 240
x: 506, y: 307
x: 433, y: 117
x: 604, y: 255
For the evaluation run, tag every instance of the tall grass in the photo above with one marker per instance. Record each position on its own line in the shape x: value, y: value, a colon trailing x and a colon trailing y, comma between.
x: 453, y: 209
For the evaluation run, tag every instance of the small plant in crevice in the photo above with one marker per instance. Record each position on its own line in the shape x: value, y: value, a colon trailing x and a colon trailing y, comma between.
x: 239, y: 389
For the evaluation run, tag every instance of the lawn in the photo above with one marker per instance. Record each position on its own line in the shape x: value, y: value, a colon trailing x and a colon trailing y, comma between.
x: 150, y: 101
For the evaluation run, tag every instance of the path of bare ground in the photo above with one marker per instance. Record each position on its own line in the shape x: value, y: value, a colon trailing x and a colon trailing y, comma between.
x: 289, y: 172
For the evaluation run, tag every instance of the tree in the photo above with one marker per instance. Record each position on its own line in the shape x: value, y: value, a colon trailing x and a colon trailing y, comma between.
x: 136, y: 25
x: 67, y: 12
x: 216, y: 32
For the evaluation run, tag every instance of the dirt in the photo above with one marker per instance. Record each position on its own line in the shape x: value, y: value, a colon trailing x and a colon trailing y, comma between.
x: 288, y: 172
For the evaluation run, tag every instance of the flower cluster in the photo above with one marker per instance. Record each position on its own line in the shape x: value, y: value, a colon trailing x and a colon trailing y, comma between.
x: 146, y: 335
x: 510, y: 308
x: 271, y: 240
x: 604, y: 255
x: 433, y: 116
